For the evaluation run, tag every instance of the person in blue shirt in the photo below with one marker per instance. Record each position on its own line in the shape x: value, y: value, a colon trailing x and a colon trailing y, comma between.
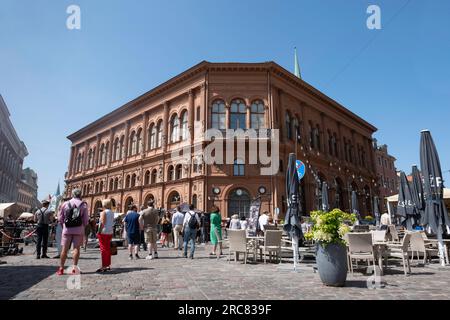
x: 131, y: 222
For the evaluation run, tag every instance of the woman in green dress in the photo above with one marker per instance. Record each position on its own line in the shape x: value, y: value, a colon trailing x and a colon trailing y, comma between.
x: 216, y: 230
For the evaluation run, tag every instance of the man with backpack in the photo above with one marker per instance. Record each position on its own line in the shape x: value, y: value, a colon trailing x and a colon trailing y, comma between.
x: 190, y: 226
x: 74, y: 217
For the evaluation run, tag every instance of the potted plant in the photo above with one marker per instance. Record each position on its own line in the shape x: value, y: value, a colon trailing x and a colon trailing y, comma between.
x: 328, y: 230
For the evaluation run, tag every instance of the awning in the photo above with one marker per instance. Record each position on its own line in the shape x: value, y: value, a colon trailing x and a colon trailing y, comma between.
x: 394, y: 198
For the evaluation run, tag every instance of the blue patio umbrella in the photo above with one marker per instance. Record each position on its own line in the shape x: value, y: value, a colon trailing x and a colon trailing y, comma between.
x: 435, y: 215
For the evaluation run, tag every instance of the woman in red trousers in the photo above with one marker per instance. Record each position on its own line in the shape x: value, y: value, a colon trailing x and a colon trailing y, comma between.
x: 105, y: 233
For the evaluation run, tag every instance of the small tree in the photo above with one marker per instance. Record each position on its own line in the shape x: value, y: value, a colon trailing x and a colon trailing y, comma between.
x: 330, y: 227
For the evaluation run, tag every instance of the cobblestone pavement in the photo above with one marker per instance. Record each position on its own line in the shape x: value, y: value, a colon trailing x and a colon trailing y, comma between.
x: 175, y: 278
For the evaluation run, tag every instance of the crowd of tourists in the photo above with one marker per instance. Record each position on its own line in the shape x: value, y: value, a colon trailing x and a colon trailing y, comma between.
x: 179, y: 229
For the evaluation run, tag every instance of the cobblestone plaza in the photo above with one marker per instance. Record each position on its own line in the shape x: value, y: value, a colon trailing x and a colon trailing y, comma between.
x: 174, y: 278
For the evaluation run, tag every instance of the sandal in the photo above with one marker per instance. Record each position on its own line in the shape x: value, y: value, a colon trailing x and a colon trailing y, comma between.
x: 101, y: 270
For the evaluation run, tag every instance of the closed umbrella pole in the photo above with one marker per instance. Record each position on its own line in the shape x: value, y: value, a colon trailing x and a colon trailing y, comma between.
x: 292, y: 222
x: 406, y: 208
x: 355, y: 207
x: 376, y: 210
x: 325, y: 201
x: 417, y: 192
x: 435, y: 215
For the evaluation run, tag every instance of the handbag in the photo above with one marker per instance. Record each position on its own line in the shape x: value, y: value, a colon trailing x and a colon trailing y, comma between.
x: 113, y: 248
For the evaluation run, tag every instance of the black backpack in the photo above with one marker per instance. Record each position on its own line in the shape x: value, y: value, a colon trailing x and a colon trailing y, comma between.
x: 73, y: 216
x: 193, y: 223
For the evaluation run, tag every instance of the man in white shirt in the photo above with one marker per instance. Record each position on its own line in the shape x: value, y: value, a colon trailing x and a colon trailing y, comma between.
x: 385, y: 220
x: 190, y: 230
x: 177, y: 223
x: 263, y: 220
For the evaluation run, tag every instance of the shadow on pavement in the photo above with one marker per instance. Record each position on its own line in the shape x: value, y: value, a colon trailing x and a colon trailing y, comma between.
x: 14, y: 279
x: 119, y: 271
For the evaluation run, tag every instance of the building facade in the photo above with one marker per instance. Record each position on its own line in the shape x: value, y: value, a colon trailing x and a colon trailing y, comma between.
x: 388, y: 179
x: 28, y: 191
x: 12, y: 153
x: 128, y: 155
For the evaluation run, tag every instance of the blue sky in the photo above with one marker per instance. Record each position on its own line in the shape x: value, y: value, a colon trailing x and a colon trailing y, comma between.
x: 56, y: 81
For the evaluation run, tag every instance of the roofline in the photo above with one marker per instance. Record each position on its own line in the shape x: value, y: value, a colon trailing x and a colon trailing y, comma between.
x: 138, y: 99
x: 204, y: 65
x: 325, y: 97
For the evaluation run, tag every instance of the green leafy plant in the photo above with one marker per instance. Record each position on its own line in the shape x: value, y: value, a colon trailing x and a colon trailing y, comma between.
x: 368, y: 218
x: 330, y: 227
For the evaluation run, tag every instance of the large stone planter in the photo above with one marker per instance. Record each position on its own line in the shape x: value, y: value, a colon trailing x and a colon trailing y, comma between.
x: 332, y: 264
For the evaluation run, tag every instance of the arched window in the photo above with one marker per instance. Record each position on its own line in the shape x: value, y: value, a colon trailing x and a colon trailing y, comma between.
x: 147, y: 178
x: 97, y: 187
x: 127, y: 182
x: 238, y: 114
x: 102, y: 154
x: 174, y: 200
x: 174, y: 129
x: 133, y: 180
x: 239, y: 202
x: 218, y: 115
x: 133, y: 144
x: 152, y: 137
x: 154, y: 176
x: 101, y: 186
x: 111, y: 184
x: 159, y: 135
x: 122, y: 148
x: 139, y: 141
x: 90, y: 162
x: 335, y: 145
x: 239, y: 168
x: 339, y: 195
x: 179, y: 172
x: 296, y: 130
x: 116, y: 153
x: 257, y: 118
x: 317, y: 142
x: 288, y: 126
x: 170, y: 173
x: 116, y: 184
x: 184, y: 125
x: 78, y: 163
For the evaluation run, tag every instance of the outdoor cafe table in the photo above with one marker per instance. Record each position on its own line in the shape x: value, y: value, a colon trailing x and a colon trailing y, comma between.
x: 255, y: 241
x: 379, y: 248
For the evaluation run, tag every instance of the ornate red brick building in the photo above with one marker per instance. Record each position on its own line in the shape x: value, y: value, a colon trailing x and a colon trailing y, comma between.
x: 126, y: 155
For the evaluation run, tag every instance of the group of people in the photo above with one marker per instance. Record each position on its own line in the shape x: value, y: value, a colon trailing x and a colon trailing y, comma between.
x: 75, y: 226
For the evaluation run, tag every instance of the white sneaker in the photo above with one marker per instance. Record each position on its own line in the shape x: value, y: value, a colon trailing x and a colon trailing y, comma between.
x: 149, y: 257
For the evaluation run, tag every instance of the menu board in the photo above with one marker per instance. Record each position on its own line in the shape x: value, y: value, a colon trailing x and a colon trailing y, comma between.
x: 255, y: 207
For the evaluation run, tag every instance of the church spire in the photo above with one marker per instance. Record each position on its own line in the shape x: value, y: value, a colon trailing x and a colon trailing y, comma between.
x: 297, y: 66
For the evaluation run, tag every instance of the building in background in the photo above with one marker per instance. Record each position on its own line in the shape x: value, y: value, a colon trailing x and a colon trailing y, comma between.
x: 12, y: 153
x: 126, y: 155
x: 388, y: 179
x: 28, y: 191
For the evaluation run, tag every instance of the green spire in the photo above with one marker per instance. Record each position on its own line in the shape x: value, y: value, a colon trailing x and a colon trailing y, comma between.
x: 297, y: 66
